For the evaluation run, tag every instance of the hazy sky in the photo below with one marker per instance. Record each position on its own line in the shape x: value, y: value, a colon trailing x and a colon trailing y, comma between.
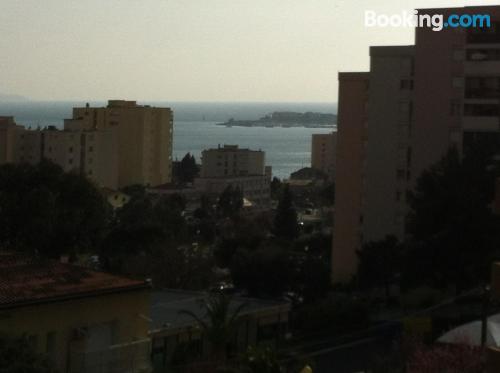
x: 190, y: 50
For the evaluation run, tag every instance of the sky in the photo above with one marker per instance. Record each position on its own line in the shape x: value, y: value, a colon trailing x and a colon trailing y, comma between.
x: 191, y: 50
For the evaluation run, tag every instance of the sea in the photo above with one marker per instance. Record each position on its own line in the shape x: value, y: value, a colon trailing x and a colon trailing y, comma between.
x: 196, y: 129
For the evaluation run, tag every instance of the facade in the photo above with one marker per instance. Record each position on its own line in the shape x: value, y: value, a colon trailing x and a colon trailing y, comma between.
x: 115, y: 146
x: 422, y: 99
x: 323, y: 153
x: 261, y: 321
x: 84, y: 321
x: 230, y: 161
x: 144, y: 139
x: 351, y: 138
x: 387, y: 165
x: 243, y: 168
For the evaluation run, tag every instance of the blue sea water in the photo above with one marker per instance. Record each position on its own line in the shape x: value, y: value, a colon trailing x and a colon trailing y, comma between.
x: 195, y: 129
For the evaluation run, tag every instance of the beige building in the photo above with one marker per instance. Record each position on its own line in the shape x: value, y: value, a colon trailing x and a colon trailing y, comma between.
x: 243, y: 168
x: 421, y: 100
x: 230, y: 160
x: 115, y: 146
x: 144, y: 139
x: 323, y: 153
x: 8, y: 130
x: 83, y: 321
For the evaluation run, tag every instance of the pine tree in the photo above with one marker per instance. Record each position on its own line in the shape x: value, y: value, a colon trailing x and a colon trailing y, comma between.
x: 285, y: 221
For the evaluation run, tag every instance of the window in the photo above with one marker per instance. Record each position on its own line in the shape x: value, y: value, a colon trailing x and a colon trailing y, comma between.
x: 482, y: 87
x: 484, y: 35
x: 33, y: 341
x: 91, y: 149
x: 50, y: 344
x: 400, y: 174
x: 482, y: 110
x: 455, y: 108
x: 458, y: 54
x: 406, y: 84
x: 458, y: 82
x: 70, y: 149
x: 483, y: 55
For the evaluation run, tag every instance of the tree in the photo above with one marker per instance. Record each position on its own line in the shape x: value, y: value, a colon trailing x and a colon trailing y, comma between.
x: 47, y: 211
x: 285, y: 221
x: 17, y: 356
x: 265, y: 271
x: 186, y: 170
x: 379, y: 263
x: 276, y: 188
x: 218, y: 322
x: 327, y: 194
x: 260, y: 359
x: 313, y: 279
x: 452, y: 227
x: 141, y: 227
x: 230, y: 202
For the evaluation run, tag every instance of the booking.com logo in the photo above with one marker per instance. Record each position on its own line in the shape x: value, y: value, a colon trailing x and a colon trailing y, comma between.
x: 436, y: 22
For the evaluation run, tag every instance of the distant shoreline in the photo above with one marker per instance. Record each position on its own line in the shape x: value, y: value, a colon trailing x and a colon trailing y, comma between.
x: 287, y: 119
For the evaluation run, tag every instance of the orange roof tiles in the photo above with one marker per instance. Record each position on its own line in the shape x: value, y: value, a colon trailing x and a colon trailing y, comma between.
x: 26, y: 280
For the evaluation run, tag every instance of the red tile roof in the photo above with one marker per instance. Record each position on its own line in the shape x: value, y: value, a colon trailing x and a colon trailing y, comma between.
x: 26, y: 280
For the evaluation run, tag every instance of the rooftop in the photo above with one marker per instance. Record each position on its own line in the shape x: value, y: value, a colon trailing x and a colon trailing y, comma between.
x: 166, y: 305
x: 25, y: 280
x: 230, y: 148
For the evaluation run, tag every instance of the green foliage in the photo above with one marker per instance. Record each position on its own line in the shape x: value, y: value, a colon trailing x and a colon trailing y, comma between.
x: 454, y: 233
x: 313, y: 279
x: 379, y: 263
x: 276, y: 188
x: 17, y: 356
x: 45, y: 210
x: 285, y: 221
x: 230, y: 202
x: 327, y: 194
x: 335, y: 314
x: 218, y: 322
x: 186, y: 170
x: 260, y: 359
x: 245, y: 233
x: 265, y: 271
x: 141, y: 227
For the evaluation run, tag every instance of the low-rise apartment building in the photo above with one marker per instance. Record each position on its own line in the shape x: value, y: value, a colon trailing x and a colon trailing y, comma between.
x: 82, y: 320
x: 177, y: 338
x: 242, y: 168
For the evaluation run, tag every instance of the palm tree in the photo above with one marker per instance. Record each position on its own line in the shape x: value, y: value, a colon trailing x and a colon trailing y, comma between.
x: 219, y: 322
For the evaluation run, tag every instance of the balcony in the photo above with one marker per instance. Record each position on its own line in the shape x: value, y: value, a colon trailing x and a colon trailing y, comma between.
x: 481, y: 123
x: 131, y: 357
x: 481, y: 67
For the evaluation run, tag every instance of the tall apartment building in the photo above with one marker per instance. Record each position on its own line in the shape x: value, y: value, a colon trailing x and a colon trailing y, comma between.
x: 351, y: 136
x: 387, y: 169
x: 323, y: 153
x: 243, y: 168
x: 115, y: 146
x: 8, y: 131
x: 144, y: 139
x: 422, y: 99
